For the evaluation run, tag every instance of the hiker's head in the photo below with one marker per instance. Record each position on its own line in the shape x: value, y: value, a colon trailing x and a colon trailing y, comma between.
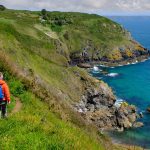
x: 1, y: 76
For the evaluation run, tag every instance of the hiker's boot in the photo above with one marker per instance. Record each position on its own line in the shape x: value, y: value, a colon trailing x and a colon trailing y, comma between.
x: 4, y: 116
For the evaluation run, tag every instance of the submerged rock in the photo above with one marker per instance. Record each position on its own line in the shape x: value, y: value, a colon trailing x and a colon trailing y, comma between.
x: 148, y: 109
x: 141, y: 115
x: 138, y: 124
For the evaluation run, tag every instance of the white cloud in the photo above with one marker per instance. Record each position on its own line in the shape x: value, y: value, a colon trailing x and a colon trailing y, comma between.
x: 101, y: 6
x: 132, y: 5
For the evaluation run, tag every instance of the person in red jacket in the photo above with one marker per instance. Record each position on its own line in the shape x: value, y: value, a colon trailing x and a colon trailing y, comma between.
x: 6, y: 96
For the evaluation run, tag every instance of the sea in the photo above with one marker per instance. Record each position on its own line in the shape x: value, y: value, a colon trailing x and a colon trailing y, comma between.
x: 132, y: 82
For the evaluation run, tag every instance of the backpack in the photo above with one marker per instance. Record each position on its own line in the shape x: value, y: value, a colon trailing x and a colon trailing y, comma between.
x: 1, y: 93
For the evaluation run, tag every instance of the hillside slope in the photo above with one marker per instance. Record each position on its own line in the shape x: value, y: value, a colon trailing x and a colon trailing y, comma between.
x: 91, y: 37
x: 35, y: 56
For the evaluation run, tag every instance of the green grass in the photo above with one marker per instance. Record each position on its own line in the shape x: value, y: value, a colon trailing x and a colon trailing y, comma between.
x: 36, y: 127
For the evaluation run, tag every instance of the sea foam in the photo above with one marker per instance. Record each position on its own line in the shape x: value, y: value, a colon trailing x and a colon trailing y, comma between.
x: 95, y: 68
x: 112, y: 74
x: 118, y: 102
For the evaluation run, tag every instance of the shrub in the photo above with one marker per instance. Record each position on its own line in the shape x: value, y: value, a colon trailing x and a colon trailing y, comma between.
x: 56, y: 28
x: 128, y: 53
x: 2, y: 8
x: 115, y: 55
x: 43, y: 12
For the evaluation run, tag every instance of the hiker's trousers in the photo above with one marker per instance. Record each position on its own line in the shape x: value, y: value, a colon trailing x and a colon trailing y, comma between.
x: 3, y: 108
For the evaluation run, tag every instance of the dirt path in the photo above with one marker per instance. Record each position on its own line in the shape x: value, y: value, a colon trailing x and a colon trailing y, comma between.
x: 17, y: 107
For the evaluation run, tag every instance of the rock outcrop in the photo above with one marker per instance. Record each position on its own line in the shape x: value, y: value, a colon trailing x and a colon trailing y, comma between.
x: 119, y: 55
x: 97, y: 106
x: 148, y: 109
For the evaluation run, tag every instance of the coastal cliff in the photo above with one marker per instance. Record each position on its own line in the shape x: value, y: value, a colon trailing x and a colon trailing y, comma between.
x: 90, y: 38
x: 98, y: 107
x: 61, y: 102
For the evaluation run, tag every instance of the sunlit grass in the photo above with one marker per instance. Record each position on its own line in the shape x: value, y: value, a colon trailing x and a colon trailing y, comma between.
x: 36, y: 127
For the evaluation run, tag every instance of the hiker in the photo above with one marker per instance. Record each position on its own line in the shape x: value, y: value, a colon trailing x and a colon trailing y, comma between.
x: 4, y: 96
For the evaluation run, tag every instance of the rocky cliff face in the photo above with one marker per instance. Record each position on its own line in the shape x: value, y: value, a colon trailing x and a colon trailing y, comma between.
x: 133, y: 51
x: 97, y: 106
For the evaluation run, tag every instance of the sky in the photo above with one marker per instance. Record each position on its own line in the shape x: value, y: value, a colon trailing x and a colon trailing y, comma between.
x: 101, y: 7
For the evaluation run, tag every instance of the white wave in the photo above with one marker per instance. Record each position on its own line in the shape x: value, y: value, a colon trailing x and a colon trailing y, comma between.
x: 95, y: 72
x: 95, y: 68
x: 112, y: 67
x: 133, y: 63
x: 112, y: 74
x: 102, y: 65
x: 118, y: 102
x: 120, y: 65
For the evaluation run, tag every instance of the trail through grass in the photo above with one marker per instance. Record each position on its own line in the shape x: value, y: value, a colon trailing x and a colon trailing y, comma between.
x: 17, y: 107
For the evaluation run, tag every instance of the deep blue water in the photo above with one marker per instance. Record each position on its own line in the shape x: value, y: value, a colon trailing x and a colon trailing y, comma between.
x: 133, y: 82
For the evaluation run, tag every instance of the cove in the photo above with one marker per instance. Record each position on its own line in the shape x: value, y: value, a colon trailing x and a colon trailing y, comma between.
x: 132, y: 82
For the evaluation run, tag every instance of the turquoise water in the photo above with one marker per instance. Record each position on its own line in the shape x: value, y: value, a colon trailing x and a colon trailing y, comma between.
x: 133, y: 82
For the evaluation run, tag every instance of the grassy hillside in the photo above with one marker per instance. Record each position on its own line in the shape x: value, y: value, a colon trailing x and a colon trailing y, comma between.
x: 93, y: 34
x: 91, y: 37
x: 36, y: 127
x: 34, y: 56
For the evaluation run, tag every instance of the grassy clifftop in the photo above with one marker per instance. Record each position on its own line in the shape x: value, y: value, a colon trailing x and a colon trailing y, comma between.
x: 91, y: 37
x: 34, y: 55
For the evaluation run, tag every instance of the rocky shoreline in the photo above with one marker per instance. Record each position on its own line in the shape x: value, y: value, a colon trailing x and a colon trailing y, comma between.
x: 114, y: 64
x: 98, y: 103
x: 98, y: 106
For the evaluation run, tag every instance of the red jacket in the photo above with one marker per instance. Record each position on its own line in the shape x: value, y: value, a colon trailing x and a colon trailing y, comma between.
x: 5, y: 89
